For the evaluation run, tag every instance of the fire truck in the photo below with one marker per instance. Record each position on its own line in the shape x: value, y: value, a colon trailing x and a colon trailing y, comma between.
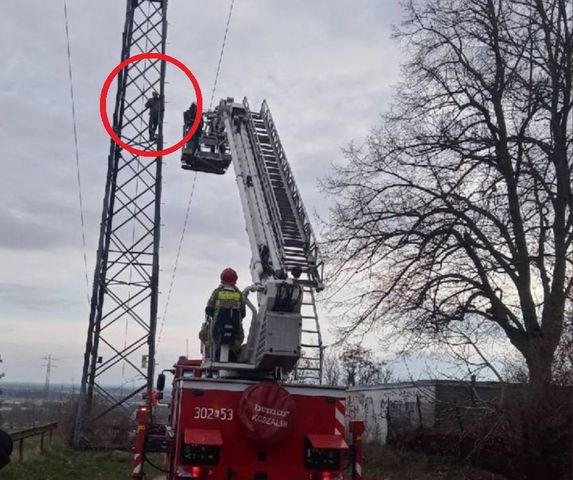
x: 261, y: 414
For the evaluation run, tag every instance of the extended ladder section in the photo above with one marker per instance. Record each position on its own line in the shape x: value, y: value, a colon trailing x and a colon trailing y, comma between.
x: 291, y: 226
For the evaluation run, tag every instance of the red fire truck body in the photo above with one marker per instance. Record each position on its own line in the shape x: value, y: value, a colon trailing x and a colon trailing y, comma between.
x: 211, y: 440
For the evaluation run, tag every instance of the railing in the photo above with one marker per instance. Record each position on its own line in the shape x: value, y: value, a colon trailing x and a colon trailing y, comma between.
x: 42, y: 430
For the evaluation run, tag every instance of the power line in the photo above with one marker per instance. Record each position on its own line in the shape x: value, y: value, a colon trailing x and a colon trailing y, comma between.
x: 174, y: 273
x: 221, y: 54
x: 78, y: 176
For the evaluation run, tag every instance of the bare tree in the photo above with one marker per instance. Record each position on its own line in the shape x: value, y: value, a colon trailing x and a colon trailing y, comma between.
x: 359, y: 367
x: 354, y: 365
x: 460, y: 206
x: 515, y: 370
x: 563, y: 363
x: 331, y: 371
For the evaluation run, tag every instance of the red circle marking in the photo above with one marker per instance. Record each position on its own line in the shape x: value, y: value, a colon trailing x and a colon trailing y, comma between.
x: 103, y: 104
x: 267, y: 413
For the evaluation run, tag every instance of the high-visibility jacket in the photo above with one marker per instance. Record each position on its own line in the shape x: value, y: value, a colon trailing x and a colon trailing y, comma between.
x: 226, y: 297
x: 226, y: 307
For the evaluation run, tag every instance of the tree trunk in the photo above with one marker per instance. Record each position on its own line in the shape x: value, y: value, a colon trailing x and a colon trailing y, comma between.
x: 540, y: 415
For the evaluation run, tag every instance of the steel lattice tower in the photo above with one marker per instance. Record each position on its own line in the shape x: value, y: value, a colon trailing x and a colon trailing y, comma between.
x: 123, y: 314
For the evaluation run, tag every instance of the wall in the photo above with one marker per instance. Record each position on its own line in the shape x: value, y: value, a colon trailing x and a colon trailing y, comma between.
x: 405, y: 404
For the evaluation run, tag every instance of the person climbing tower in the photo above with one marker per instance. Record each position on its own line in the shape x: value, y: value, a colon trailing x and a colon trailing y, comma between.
x: 155, y: 110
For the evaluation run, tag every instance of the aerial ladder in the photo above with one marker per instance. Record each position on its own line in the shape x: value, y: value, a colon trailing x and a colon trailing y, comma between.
x: 261, y: 415
x: 285, y: 332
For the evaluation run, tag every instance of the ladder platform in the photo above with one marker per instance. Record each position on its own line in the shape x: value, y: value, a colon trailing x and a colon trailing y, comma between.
x: 207, y: 162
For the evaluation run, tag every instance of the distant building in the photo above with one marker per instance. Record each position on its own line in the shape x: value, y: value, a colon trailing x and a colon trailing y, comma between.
x: 401, y: 409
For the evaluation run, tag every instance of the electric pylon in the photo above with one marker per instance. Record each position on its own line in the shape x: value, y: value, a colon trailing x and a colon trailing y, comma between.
x: 123, y: 310
x: 48, y: 366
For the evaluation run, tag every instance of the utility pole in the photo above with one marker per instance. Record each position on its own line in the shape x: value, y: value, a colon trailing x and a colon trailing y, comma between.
x: 48, y: 366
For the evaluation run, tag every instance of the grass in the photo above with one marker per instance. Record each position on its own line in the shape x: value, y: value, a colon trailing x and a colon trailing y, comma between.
x: 60, y: 463
x: 390, y: 463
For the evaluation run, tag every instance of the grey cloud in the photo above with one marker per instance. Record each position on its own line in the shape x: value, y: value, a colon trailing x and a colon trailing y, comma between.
x: 325, y: 72
x: 37, y: 298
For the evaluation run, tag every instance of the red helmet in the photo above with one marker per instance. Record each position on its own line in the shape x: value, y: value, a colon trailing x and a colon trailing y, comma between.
x: 229, y: 276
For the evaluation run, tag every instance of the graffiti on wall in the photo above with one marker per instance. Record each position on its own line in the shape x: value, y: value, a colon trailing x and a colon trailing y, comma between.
x: 404, y: 407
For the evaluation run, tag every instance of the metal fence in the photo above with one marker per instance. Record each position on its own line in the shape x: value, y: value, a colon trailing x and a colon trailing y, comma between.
x: 41, y: 431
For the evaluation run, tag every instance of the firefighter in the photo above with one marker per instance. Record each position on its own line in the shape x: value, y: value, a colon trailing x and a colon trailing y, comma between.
x: 188, y: 119
x: 154, y: 106
x: 225, y: 311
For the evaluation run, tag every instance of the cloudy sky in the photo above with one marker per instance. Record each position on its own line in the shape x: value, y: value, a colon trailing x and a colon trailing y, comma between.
x: 326, y: 68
